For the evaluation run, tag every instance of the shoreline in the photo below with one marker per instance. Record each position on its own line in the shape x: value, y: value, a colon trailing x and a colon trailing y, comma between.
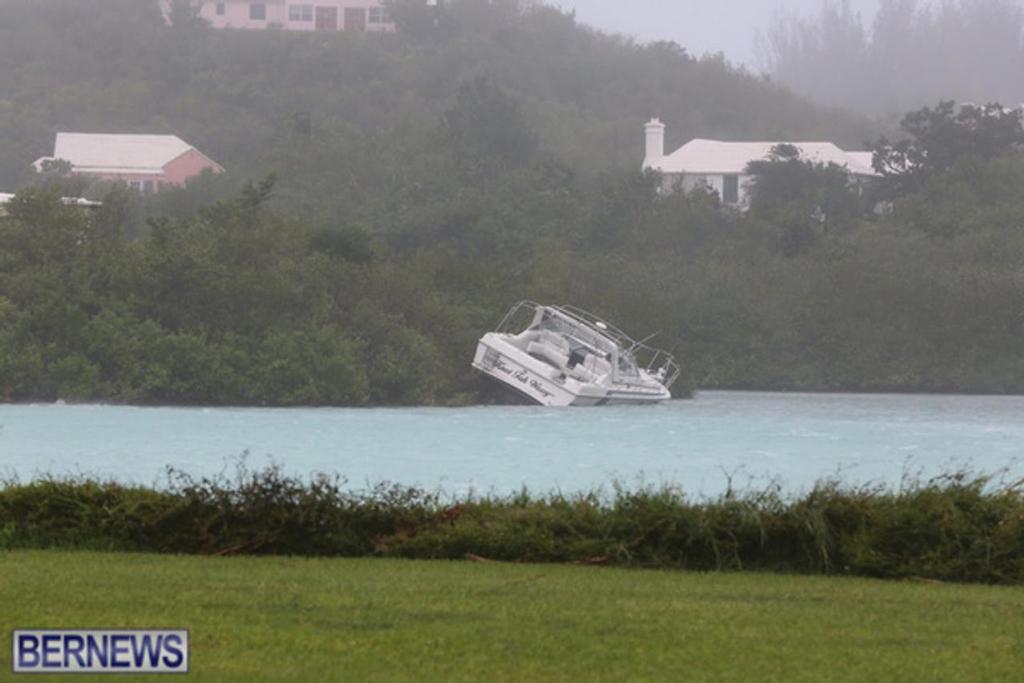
x: 694, y: 396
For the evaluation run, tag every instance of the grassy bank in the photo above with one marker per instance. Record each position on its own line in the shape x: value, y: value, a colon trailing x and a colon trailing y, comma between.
x: 262, y: 619
x: 954, y: 528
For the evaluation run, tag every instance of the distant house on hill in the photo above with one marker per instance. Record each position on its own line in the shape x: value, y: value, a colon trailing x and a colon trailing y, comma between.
x: 722, y: 166
x: 312, y: 15
x: 147, y: 163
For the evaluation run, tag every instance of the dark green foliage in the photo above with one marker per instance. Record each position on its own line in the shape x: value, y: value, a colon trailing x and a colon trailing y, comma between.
x: 350, y: 244
x: 427, y: 180
x: 803, y: 199
x: 255, y: 512
x: 953, y: 528
x: 238, y: 305
x: 944, y: 137
x: 231, y: 306
x: 487, y: 125
x: 348, y: 120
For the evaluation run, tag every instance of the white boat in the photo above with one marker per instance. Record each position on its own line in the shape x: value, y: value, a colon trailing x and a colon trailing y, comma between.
x: 563, y: 356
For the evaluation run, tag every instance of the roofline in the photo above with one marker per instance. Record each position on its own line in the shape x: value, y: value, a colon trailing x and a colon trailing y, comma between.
x: 220, y: 169
x: 149, y: 170
x: 119, y: 135
x: 744, y: 172
x: 766, y: 142
x: 145, y: 170
x: 119, y: 170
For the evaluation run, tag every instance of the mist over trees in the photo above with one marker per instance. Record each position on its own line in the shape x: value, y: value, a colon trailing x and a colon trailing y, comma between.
x: 388, y: 197
x: 912, y: 53
x: 345, y: 118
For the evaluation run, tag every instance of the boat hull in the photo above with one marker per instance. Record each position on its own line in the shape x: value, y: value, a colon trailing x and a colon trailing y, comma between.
x: 545, y: 384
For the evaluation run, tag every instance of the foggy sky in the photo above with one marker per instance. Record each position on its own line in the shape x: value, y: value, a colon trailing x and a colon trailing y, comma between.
x: 700, y: 26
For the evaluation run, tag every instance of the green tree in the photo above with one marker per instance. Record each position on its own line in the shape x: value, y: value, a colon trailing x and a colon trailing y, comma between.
x: 487, y: 126
x: 940, y: 137
x: 802, y: 198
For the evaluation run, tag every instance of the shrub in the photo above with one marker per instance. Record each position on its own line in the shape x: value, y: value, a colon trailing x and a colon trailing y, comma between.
x: 954, y: 528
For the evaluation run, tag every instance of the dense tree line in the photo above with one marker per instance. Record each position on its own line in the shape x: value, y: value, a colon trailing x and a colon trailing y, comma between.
x: 410, y: 210
x: 240, y: 303
x: 914, y: 52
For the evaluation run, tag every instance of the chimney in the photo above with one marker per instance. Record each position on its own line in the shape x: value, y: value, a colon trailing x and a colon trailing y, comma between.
x: 655, y: 130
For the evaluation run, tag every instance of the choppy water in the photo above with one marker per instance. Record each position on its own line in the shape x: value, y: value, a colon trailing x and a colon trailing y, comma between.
x: 754, y: 437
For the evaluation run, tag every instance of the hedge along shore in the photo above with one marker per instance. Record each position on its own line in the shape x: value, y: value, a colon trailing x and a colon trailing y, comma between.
x: 959, y: 527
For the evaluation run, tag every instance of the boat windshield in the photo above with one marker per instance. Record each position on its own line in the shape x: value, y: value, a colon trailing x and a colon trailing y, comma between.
x: 627, y: 365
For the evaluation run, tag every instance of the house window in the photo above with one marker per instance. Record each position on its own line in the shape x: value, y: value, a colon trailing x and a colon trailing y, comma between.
x: 220, y: 9
x: 730, y: 189
x: 379, y: 15
x: 147, y: 186
x: 258, y: 11
x: 300, y: 13
x: 135, y: 185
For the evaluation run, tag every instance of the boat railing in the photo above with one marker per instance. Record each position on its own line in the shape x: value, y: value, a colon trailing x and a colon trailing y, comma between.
x: 598, y: 323
x: 656, y: 362
x: 515, y: 321
x: 573, y: 323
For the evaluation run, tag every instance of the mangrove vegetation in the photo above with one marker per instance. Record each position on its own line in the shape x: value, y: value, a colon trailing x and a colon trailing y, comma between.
x: 387, y: 197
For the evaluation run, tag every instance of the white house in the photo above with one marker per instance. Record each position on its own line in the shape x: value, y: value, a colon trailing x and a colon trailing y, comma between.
x: 722, y: 166
x: 147, y: 163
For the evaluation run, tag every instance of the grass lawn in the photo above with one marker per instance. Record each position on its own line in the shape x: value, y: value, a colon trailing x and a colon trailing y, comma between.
x: 280, y: 619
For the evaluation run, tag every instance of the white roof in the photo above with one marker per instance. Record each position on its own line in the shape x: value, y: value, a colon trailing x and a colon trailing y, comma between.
x: 714, y: 157
x: 5, y: 197
x: 118, y: 153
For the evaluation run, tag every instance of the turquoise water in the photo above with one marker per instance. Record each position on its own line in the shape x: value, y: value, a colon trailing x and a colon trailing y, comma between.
x: 794, y: 439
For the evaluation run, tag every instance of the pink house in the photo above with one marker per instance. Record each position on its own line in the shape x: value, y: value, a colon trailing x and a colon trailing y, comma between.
x: 145, y: 162
x: 301, y: 15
